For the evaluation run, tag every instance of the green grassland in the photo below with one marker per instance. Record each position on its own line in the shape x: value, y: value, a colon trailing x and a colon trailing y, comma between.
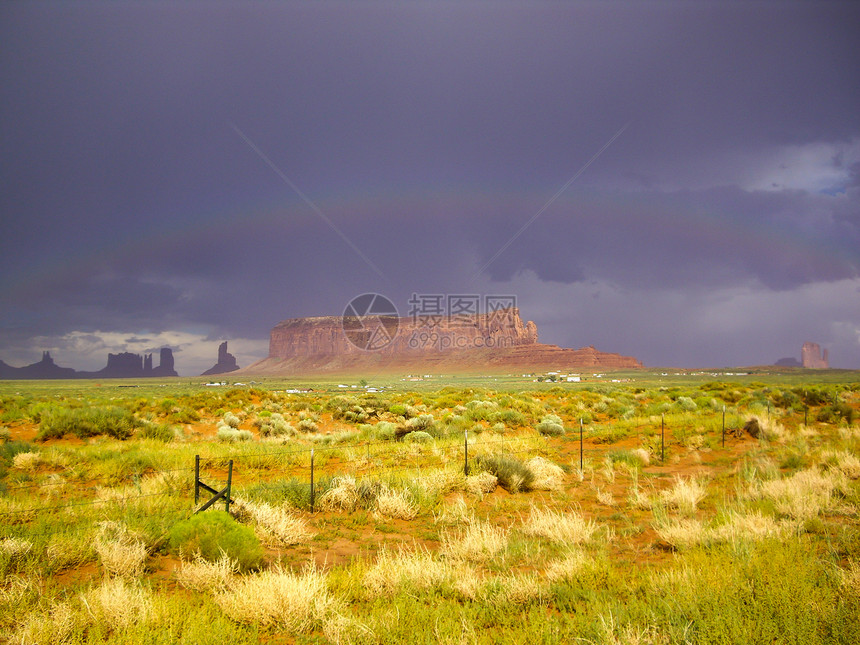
x: 649, y: 506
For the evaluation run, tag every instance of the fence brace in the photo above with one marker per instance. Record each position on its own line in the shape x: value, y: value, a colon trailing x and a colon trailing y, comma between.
x: 224, y: 493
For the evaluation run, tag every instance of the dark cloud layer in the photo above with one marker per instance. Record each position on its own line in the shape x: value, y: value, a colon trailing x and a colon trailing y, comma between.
x: 428, y: 134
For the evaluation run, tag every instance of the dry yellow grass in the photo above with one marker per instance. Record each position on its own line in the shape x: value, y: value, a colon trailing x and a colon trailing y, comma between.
x: 846, y: 462
x: 120, y: 552
x: 748, y: 526
x: 479, y: 542
x: 685, y: 494
x: 442, y: 481
x: 418, y: 568
x: 56, y: 625
x: 117, y: 604
x: 342, y: 495
x: 274, y: 525
x: 563, y: 527
x: 548, y: 476
x: 202, y: 575
x: 296, y: 602
x: 457, y: 512
x: 604, y: 497
x: 517, y: 589
x: 395, y: 503
x: 637, y: 499
x: 565, y: 568
x: 70, y: 550
x: 15, y: 548
x: 481, y: 484
x: 803, y: 495
x: 27, y: 461
x: 681, y: 532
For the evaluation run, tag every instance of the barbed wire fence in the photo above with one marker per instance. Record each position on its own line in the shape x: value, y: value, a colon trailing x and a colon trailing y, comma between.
x: 307, y: 469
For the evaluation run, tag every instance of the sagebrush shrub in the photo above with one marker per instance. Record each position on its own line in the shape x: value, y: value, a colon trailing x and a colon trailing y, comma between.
x: 551, y: 425
x: 512, y: 474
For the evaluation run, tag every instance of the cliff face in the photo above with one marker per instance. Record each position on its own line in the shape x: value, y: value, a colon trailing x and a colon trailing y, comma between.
x: 498, y: 341
x: 325, y: 336
x: 813, y: 357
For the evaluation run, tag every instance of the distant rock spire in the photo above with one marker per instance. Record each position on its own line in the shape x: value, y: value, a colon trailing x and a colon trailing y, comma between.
x: 813, y: 357
x: 226, y: 362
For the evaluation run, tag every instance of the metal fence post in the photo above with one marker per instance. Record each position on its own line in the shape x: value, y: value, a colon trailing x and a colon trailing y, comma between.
x: 312, y: 480
x: 196, y: 479
x: 662, y: 438
x: 229, y: 485
x: 466, y: 452
x: 580, y: 444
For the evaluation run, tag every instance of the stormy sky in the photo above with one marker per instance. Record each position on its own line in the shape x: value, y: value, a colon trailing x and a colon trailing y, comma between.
x: 679, y: 182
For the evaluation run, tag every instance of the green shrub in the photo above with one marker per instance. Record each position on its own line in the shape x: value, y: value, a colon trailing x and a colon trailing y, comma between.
x: 384, y: 430
x: 418, y: 436
x: 115, y: 422
x: 183, y: 415
x: 833, y: 413
x: 686, y: 403
x: 231, y: 435
x: 551, y: 425
x: 213, y: 532
x: 158, y: 431
x: 513, y: 475
x: 307, y: 425
x: 398, y: 410
x: 274, y: 425
x: 423, y: 423
x: 512, y: 418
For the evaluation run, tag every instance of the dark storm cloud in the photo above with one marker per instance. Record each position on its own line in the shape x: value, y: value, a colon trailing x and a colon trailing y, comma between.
x: 688, y: 239
x: 428, y: 133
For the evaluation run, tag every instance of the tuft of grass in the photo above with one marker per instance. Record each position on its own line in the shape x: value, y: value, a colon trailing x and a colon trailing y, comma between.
x: 562, y: 527
x: 121, y: 552
x: 342, y: 495
x: 547, y: 475
x: 803, y: 495
x: 56, y: 624
x: 395, y: 570
x: 395, y: 503
x: 685, y: 494
x: 117, y: 604
x: 681, y: 533
x: 479, y: 542
x: 228, y: 434
x: 512, y: 474
x: 482, y: 483
x: 294, y: 602
x: 276, y: 526
x: 202, y: 575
